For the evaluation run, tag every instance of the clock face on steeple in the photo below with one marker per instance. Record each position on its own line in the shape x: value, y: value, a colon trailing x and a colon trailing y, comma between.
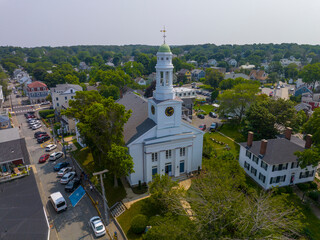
x: 169, y: 111
x: 153, y: 110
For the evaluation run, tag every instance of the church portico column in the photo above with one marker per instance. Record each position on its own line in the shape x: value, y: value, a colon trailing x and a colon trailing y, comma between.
x: 189, y: 159
x: 162, y: 157
x: 176, y: 162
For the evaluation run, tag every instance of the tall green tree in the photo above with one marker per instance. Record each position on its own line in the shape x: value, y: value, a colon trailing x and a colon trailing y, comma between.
x: 311, y: 73
x: 312, y: 126
x: 213, y: 77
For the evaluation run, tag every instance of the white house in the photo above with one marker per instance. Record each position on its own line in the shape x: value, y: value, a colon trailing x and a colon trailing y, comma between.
x: 140, y: 81
x: 212, y: 62
x: 272, y: 162
x: 233, y: 62
x: 159, y: 141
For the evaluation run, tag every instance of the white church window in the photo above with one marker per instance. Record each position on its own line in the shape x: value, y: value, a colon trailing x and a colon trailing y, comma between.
x: 168, y: 154
x: 182, y: 152
x: 154, y: 171
x: 161, y: 58
x: 154, y: 157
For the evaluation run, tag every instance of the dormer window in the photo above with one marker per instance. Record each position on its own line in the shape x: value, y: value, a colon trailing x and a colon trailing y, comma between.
x: 71, y: 90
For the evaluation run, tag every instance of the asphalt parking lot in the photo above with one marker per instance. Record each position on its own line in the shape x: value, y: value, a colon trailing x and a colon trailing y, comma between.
x: 73, y: 223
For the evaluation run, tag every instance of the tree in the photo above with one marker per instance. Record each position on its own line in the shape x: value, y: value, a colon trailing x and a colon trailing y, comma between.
x: 283, y: 110
x: 237, y: 100
x: 312, y: 126
x: 308, y: 157
x: 213, y: 77
x: 4, y: 83
x: 71, y: 79
x: 273, y: 77
x: 119, y: 162
x: 109, y: 91
x: 214, y: 95
x: 149, y: 91
x: 291, y: 71
x: 311, y: 74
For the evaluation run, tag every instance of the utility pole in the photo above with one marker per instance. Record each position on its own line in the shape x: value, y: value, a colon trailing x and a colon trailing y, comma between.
x: 105, y: 204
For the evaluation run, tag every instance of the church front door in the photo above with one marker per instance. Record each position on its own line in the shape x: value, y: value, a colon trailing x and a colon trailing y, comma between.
x: 168, y: 169
x: 181, y: 166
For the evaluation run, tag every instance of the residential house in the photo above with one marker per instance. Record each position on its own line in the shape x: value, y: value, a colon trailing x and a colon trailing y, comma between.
x: 312, y: 99
x: 197, y: 74
x: 233, y: 62
x: 83, y: 66
x: 184, y: 74
x: 265, y: 65
x: 302, y: 89
x: 235, y: 75
x: 151, y: 77
x: 260, y: 75
x: 212, y: 62
x: 37, y: 92
x: 140, y: 81
x: 220, y: 69
x: 187, y: 95
x: 285, y: 62
x: 61, y: 95
x: 110, y: 64
x: 193, y: 62
x: 247, y: 66
x: 307, y: 108
x: 272, y: 163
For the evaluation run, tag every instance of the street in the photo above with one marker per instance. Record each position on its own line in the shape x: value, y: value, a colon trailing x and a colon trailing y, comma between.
x: 73, y: 223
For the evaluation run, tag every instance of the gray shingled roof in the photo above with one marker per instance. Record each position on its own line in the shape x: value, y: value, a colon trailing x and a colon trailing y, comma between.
x: 138, y: 123
x: 9, y: 134
x: 14, y: 150
x: 278, y: 150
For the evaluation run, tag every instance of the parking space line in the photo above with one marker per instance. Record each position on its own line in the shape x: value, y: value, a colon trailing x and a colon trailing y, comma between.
x: 47, y: 142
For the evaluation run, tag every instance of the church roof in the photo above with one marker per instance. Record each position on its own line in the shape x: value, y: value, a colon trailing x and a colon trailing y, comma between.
x: 138, y: 123
x: 164, y: 48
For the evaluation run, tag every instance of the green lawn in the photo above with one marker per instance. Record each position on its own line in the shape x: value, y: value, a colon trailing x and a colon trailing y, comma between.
x: 140, y: 207
x: 85, y: 159
x: 206, y: 108
x: 233, y: 131
x: 234, y: 148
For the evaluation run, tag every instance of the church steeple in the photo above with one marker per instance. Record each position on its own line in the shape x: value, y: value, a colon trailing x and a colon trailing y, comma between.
x: 164, y: 73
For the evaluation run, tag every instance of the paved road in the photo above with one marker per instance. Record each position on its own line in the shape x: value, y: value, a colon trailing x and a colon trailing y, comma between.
x: 279, y: 93
x: 73, y: 223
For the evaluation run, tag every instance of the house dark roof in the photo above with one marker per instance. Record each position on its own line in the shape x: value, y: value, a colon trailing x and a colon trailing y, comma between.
x: 9, y: 134
x: 278, y: 150
x: 21, y: 210
x: 138, y: 123
x: 14, y: 150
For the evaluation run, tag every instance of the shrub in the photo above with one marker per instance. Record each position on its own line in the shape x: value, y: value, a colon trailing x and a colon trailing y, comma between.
x: 50, y: 116
x: 314, y: 195
x: 139, y: 223
x: 303, y: 186
x: 313, y: 185
x: 45, y: 113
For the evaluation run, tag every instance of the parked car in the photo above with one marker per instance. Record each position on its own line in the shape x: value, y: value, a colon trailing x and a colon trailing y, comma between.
x: 72, y: 185
x: 271, y: 94
x: 43, y: 139
x: 67, y: 177
x: 271, y: 87
x: 50, y: 147
x: 282, y: 86
x: 39, y: 133
x: 63, y: 171
x: 60, y: 165
x: 17, y: 96
x: 34, y: 127
x: 58, y: 202
x: 213, y: 126
x: 56, y: 155
x: 201, y: 116
x: 43, y: 135
x: 97, y: 226
x: 278, y: 87
x: 213, y: 114
x: 31, y: 116
x: 44, y: 158
x: 202, y: 127
x: 45, y: 103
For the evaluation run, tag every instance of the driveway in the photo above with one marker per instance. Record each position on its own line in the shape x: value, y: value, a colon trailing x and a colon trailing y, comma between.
x: 207, y: 120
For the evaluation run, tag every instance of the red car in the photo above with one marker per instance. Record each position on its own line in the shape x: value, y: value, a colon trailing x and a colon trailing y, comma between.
x: 31, y: 116
x: 43, y: 135
x: 44, y: 158
x: 202, y: 127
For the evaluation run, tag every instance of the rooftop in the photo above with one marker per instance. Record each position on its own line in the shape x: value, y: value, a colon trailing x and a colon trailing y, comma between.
x: 164, y: 48
x: 37, y: 84
x: 9, y: 134
x: 65, y: 87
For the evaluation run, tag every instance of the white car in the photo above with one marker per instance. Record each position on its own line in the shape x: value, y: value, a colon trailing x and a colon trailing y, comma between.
x: 63, y: 171
x: 50, y: 147
x: 67, y: 177
x: 34, y: 127
x: 54, y: 156
x: 97, y: 226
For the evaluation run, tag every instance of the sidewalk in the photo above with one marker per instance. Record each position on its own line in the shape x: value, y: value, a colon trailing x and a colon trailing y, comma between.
x: 131, y: 197
x: 314, y: 208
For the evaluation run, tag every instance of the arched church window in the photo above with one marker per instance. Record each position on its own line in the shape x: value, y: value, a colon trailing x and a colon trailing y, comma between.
x: 161, y: 79
x: 167, y: 78
x: 167, y: 58
x: 161, y: 58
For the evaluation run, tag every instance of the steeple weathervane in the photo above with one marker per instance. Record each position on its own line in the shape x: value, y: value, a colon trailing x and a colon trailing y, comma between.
x: 164, y: 34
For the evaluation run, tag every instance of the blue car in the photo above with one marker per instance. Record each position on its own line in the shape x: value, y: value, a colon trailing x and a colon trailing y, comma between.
x: 60, y: 165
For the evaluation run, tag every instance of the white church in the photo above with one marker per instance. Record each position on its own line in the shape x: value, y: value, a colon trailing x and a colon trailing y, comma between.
x: 158, y: 139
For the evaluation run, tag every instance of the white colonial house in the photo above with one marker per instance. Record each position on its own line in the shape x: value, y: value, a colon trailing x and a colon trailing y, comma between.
x: 159, y: 141
x: 272, y: 163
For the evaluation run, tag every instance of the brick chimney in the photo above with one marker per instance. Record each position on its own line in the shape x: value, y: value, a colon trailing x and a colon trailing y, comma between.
x: 250, y: 139
x: 263, y: 147
x: 287, y: 133
x: 308, y: 141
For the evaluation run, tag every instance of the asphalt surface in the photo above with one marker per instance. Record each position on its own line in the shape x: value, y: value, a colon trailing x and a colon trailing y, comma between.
x: 73, y: 223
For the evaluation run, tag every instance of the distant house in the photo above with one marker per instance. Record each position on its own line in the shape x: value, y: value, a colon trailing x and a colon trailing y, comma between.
x: 140, y: 81
x: 307, y: 108
x: 197, y: 74
x: 83, y: 66
x: 312, y: 99
x: 152, y: 77
x: 37, y: 92
x: 265, y: 65
x: 233, y: 62
x: 235, y: 75
x: 285, y: 62
x: 212, y: 62
x: 247, y: 66
x: 110, y: 64
x: 184, y: 74
x: 302, y: 89
x: 4, y: 119
x: 272, y: 163
x: 258, y: 75
x: 193, y: 62
x: 220, y: 69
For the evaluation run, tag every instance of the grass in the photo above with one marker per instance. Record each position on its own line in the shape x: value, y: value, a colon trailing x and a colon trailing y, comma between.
x: 206, y: 108
x: 141, y: 207
x: 233, y: 131
x: 234, y: 148
x: 85, y: 159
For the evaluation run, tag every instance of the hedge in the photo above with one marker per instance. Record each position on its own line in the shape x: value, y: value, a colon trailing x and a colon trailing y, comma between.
x: 45, y: 113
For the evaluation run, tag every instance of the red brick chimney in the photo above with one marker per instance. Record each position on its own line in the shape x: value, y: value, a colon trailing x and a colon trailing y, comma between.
x: 250, y: 139
x: 287, y: 133
x: 263, y: 147
x: 308, y: 141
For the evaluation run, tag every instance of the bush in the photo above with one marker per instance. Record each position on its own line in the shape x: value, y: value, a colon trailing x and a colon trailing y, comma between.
x: 307, y: 186
x: 313, y: 185
x: 45, y: 113
x: 286, y: 189
x: 314, y: 195
x: 139, y: 223
x: 50, y: 116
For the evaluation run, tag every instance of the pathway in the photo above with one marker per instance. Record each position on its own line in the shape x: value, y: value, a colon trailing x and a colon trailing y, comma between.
x: 314, y: 208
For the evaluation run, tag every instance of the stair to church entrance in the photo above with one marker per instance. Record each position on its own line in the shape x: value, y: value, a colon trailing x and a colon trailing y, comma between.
x: 180, y: 178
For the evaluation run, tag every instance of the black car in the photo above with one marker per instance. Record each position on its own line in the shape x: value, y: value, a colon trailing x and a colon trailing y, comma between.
x: 201, y: 116
x: 43, y: 139
x: 72, y: 185
x: 60, y: 165
x: 38, y: 134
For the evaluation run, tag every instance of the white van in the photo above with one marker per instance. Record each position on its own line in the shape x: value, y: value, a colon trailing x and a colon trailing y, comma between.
x: 58, y: 202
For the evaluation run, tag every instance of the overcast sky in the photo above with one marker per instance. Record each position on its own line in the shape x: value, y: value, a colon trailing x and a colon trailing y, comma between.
x: 30, y: 23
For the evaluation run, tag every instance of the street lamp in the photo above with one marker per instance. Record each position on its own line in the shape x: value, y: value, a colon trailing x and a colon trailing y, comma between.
x: 105, y: 204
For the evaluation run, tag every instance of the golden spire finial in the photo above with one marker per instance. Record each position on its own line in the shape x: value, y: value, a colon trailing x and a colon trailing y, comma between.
x: 164, y: 34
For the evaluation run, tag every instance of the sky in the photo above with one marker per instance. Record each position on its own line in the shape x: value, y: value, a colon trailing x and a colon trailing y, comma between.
x: 31, y: 23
